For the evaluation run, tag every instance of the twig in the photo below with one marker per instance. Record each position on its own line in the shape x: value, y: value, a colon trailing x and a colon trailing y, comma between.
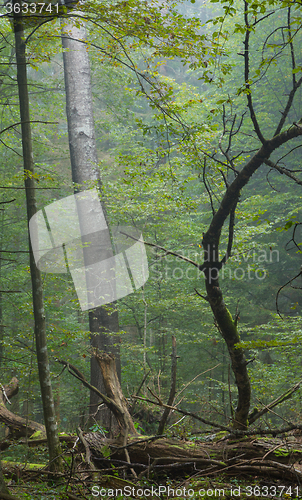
x: 138, y: 391
x: 148, y: 470
x: 167, y: 252
x: 126, y: 451
x: 282, y: 171
x: 202, y: 296
x: 31, y: 121
x: 191, y: 381
x: 183, y: 412
x: 286, y: 395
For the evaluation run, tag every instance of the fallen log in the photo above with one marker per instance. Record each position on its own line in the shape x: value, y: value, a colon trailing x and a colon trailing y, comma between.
x: 265, y: 457
x: 247, y: 456
x: 19, y: 426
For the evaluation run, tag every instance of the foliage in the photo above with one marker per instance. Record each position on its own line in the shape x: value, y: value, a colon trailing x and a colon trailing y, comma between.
x: 172, y: 126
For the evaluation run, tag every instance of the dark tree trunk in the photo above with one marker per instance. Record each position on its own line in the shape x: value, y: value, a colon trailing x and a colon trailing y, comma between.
x: 102, y: 322
x: 212, y: 265
x: 37, y: 286
x: 83, y: 154
x: 229, y: 332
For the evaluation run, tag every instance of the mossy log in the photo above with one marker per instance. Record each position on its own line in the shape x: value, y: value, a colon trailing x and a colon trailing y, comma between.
x: 272, y: 457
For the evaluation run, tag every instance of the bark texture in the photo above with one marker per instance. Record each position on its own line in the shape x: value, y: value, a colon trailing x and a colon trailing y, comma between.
x: 106, y: 363
x: 103, y: 321
x: 37, y: 288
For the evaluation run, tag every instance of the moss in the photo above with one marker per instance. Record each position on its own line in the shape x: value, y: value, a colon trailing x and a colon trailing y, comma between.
x: 190, y: 445
x: 22, y: 465
x: 37, y: 435
x: 281, y: 452
x: 220, y: 435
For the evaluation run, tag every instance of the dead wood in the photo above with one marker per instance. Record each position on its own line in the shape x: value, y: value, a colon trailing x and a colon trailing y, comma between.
x: 232, y: 432
x: 187, y: 413
x: 131, y: 410
x: 18, y: 426
x: 87, y: 450
x: 264, y: 457
x: 142, y: 455
x: 114, y: 399
x: 114, y: 391
x: 68, y: 439
x: 287, y: 395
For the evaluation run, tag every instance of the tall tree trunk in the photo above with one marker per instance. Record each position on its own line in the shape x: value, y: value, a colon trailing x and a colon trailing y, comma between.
x: 1, y: 296
x: 37, y: 289
x: 83, y: 154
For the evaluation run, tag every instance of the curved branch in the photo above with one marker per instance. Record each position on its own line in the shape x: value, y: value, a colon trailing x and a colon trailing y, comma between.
x: 207, y: 187
x: 247, y: 74
x: 288, y: 106
x: 243, y: 177
x: 281, y: 288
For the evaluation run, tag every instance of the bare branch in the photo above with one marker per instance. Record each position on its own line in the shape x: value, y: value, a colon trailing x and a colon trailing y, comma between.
x: 206, y: 185
x: 287, y: 395
x: 167, y: 252
x: 283, y: 170
x: 202, y: 296
x: 187, y: 413
x: 281, y: 288
x: 247, y: 74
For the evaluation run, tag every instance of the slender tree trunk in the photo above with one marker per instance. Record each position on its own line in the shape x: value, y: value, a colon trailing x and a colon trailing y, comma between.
x: 1, y: 296
x: 3, y: 488
x: 37, y: 289
x: 83, y: 154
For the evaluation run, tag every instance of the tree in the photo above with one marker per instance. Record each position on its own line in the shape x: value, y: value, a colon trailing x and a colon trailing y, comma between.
x: 37, y: 287
x: 228, y: 141
x: 226, y: 209
x: 85, y: 174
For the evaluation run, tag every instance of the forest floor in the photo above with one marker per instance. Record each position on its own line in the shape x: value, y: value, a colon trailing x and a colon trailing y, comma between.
x: 238, y: 478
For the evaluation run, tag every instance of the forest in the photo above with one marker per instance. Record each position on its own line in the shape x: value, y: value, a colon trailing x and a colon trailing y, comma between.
x: 150, y: 249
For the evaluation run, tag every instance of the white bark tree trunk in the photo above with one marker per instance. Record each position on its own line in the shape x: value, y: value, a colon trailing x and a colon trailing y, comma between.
x: 85, y: 175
